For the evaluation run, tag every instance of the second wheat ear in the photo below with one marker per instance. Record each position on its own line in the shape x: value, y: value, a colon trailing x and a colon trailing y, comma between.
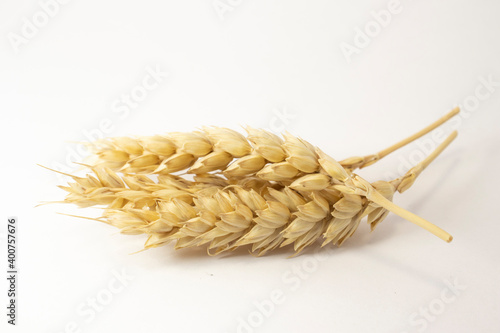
x: 262, y: 191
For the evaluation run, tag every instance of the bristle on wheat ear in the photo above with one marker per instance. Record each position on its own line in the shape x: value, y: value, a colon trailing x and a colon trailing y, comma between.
x: 261, y: 190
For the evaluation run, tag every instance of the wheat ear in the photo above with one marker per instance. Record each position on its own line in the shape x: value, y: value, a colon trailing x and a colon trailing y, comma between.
x: 190, y: 212
x: 302, y: 196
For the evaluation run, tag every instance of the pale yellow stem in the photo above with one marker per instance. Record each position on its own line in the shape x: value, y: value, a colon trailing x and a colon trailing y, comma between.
x: 425, y: 163
x: 379, y: 199
x: 361, y: 162
x: 419, y: 134
x: 405, y: 182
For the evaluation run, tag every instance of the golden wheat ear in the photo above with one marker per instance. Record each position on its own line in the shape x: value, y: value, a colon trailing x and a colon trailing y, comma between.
x: 358, y: 162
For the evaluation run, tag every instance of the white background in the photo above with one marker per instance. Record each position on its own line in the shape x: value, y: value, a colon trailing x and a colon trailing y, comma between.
x: 245, y: 66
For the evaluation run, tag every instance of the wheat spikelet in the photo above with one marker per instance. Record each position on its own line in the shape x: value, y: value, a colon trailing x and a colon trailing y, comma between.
x: 274, y: 193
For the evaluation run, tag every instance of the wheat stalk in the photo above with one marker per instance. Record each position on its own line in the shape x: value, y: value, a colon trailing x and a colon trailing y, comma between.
x: 275, y: 192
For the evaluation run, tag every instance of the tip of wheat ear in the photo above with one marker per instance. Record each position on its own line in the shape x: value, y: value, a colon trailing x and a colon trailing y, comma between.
x: 262, y: 191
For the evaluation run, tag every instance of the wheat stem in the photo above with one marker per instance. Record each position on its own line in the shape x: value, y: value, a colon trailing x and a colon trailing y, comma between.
x: 362, y: 162
x: 425, y: 163
x: 419, y: 134
x: 405, y: 182
x: 387, y: 204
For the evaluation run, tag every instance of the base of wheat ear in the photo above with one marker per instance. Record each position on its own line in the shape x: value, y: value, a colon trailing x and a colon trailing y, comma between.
x: 262, y: 191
